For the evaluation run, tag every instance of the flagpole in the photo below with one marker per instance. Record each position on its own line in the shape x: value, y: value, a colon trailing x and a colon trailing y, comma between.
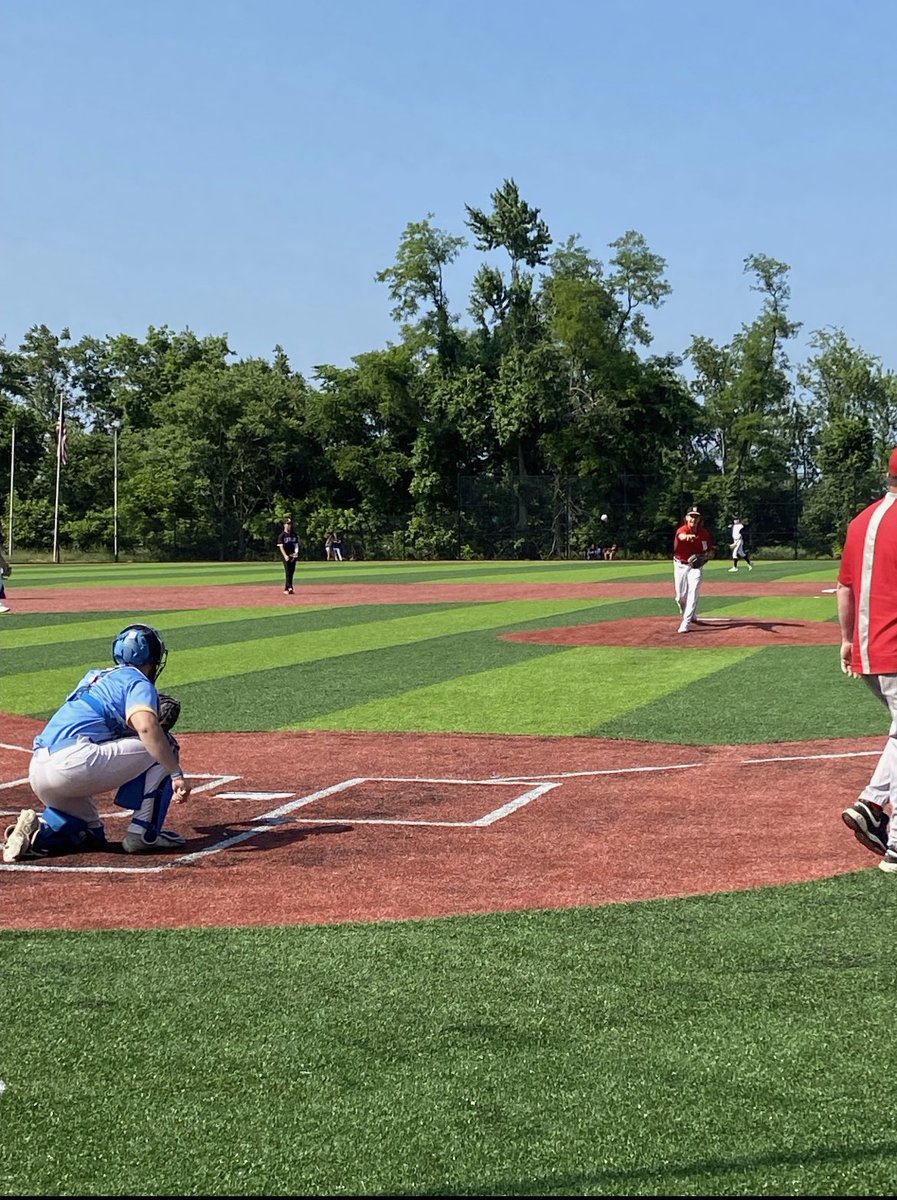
x: 58, y: 477
x: 12, y: 488
x: 115, y: 428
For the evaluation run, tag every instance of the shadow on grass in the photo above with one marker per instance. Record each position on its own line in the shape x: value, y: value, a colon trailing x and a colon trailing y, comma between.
x: 591, y: 1183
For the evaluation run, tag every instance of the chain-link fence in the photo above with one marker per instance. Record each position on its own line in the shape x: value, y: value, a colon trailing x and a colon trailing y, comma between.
x: 551, y: 517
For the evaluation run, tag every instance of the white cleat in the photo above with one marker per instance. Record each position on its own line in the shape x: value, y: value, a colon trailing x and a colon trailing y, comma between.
x: 20, y: 837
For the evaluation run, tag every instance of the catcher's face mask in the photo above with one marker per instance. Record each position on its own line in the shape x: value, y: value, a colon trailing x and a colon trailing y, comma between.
x: 140, y: 646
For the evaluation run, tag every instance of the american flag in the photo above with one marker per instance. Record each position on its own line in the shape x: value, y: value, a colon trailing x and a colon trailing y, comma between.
x: 62, y: 434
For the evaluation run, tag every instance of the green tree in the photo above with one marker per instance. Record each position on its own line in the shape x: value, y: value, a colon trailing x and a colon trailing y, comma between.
x: 417, y: 281
x: 745, y: 391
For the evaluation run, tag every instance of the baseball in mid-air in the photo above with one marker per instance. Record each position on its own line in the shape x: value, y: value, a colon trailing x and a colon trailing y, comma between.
x: 604, y: 516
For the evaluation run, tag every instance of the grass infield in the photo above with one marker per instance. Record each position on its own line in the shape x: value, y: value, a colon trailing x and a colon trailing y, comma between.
x: 718, y: 1045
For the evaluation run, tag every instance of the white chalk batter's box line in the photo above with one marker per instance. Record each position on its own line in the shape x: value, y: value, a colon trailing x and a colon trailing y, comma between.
x: 281, y: 815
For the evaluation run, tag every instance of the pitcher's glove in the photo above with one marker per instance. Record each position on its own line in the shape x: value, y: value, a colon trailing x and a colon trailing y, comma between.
x: 169, y: 711
x: 699, y: 560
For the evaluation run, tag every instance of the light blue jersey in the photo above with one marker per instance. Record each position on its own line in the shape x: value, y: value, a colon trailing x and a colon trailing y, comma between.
x: 99, y: 707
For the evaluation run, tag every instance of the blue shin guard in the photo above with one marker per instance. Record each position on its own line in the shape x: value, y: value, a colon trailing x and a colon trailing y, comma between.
x: 152, y: 807
x: 61, y: 833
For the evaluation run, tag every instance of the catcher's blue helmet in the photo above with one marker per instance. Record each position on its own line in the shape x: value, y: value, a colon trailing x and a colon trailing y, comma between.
x: 138, y: 645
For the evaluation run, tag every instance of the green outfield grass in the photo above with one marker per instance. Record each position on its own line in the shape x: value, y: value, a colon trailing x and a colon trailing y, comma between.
x: 718, y: 1045
x: 445, y: 666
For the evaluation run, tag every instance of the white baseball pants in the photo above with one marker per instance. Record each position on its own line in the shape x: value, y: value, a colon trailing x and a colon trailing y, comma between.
x: 66, y: 779
x: 688, y: 588
x: 882, y: 787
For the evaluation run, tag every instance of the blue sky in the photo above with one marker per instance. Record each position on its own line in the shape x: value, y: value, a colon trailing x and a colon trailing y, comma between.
x: 247, y: 167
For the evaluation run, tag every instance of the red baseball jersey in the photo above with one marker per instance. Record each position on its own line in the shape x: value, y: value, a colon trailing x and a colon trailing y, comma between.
x: 687, y: 542
x: 869, y: 569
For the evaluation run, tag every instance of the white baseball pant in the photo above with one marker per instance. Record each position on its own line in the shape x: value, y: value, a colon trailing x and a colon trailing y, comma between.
x: 66, y: 779
x: 688, y: 588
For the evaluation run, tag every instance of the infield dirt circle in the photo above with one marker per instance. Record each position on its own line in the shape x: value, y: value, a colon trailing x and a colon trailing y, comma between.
x: 328, y: 827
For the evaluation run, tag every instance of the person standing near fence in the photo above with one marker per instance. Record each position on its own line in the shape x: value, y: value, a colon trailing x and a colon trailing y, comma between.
x: 288, y: 547
x: 5, y: 572
x: 693, y: 546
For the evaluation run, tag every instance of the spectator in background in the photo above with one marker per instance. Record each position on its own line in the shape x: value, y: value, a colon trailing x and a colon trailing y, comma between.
x: 5, y: 570
x: 610, y: 552
x: 337, y: 546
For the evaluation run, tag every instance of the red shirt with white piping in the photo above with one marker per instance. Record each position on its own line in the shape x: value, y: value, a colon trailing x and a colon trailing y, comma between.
x: 869, y: 569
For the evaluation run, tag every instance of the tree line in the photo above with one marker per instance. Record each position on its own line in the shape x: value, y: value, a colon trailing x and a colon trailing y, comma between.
x: 505, y: 432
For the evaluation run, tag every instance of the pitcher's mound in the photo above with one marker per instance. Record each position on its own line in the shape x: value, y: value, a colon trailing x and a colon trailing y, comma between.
x: 707, y: 632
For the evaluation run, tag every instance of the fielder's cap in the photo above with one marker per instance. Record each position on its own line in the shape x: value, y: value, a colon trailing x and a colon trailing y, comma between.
x: 892, y: 463
x: 696, y: 512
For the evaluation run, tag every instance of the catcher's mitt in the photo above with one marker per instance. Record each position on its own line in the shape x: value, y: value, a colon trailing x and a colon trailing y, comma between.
x: 169, y: 711
x: 699, y: 560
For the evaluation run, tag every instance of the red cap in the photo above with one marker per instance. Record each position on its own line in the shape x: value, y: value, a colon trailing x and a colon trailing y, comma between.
x: 892, y: 463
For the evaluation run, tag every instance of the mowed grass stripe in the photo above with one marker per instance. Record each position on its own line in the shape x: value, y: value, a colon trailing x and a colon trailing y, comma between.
x: 192, y: 630
x: 102, y: 625
x: 787, y: 693
x: 771, y: 608
x: 291, y: 697
x: 34, y: 693
x: 566, y: 693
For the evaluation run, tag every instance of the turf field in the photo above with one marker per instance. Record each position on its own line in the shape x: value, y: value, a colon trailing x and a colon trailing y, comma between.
x: 708, y: 1045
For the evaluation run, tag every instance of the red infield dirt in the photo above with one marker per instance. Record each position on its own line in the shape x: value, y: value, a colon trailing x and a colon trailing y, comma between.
x: 309, y: 827
x: 329, y: 827
x: 249, y: 595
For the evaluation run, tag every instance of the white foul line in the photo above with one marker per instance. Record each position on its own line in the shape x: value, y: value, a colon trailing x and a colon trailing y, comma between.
x: 807, y: 757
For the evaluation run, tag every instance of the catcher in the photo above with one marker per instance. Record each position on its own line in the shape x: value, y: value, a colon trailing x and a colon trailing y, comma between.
x: 111, y: 732
x: 693, y: 547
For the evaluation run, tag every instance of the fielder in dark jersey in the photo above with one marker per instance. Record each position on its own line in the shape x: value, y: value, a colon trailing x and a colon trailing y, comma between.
x: 288, y: 545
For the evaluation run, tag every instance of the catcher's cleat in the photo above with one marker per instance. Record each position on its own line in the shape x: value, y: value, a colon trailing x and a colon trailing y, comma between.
x: 137, y: 843
x: 869, y: 824
x: 20, y: 837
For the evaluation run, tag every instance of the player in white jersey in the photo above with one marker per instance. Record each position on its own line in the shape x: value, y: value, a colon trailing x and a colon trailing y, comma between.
x: 738, y: 547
